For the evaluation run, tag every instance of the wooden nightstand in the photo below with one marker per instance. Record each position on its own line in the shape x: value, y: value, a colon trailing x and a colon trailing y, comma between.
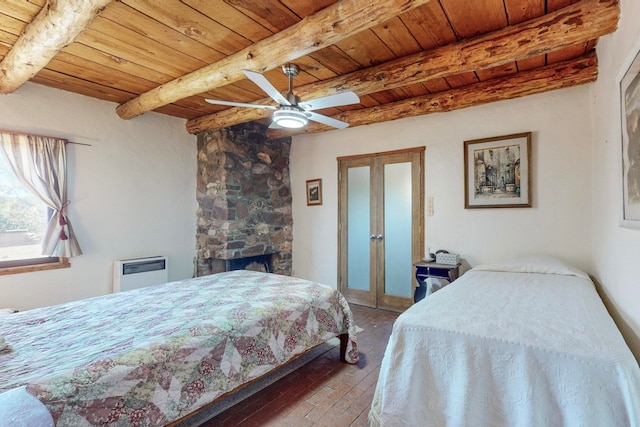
x: 433, y: 269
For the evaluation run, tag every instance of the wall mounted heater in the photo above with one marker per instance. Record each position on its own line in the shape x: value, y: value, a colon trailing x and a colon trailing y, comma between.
x: 137, y: 273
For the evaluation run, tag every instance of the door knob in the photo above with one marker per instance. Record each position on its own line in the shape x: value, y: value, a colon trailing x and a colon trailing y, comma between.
x: 379, y: 237
x: 372, y: 237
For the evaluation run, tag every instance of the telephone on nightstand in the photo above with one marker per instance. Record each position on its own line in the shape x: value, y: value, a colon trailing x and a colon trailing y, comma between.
x: 431, y: 257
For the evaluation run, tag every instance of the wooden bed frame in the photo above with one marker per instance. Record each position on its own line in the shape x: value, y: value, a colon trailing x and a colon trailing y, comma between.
x: 246, y: 390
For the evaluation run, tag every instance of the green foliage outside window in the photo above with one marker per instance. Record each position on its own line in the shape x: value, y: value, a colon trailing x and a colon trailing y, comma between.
x: 19, y: 209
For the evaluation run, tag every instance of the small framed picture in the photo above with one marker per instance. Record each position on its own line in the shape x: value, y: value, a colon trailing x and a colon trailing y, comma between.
x: 497, y: 172
x: 314, y: 192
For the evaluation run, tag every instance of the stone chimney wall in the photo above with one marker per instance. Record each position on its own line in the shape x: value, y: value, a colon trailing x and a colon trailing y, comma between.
x: 244, y: 197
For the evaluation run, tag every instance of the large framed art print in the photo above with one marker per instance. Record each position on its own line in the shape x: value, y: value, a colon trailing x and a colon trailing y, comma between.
x: 497, y: 172
x: 630, y: 115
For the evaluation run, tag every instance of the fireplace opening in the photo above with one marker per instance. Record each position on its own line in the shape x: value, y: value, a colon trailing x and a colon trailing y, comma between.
x: 261, y: 263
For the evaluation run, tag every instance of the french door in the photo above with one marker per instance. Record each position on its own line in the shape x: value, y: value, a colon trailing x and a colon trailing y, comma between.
x: 381, y: 223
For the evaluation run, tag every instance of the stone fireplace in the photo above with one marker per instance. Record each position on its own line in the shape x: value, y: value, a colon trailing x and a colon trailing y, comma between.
x: 244, y: 197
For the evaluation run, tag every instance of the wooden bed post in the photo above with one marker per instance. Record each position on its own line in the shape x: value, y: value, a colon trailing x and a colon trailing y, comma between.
x: 344, y: 339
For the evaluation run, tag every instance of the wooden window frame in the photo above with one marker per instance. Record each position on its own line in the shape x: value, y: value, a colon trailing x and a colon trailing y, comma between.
x: 33, y: 264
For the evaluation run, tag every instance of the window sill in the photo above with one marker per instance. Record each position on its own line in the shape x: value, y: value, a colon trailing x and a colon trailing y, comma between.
x: 36, y: 266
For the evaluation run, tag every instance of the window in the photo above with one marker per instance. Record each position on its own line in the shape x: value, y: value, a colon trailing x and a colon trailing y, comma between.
x: 23, y: 218
x: 23, y: 224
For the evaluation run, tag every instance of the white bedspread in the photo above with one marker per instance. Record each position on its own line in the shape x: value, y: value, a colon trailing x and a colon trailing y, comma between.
x: 508, y: 349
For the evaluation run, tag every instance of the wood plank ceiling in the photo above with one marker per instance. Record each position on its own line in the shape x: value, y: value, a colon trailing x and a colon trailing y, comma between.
x: 401, y: 57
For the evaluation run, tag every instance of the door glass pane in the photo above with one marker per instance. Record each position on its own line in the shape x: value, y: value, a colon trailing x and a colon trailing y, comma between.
x: 358, y: 226
x: 397, y: 230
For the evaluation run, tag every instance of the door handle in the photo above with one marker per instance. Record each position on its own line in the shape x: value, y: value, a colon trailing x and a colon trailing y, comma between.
x: 379, y: 237
x: 372, y: 237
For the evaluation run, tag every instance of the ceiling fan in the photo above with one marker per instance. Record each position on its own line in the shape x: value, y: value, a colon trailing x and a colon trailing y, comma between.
x: 290, y: 112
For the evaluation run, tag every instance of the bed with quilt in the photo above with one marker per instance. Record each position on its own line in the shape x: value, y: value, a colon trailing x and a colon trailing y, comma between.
x: 151, y: 356
x: 526, y: 342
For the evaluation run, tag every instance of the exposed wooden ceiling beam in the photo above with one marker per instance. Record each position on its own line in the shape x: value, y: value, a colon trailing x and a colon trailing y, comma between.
x: 319, y: 30
x: 56, y: 25
x: 580, y: 22
x: 556, y: 76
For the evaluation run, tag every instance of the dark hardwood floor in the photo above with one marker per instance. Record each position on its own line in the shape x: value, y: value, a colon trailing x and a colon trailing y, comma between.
x: 325, y: 391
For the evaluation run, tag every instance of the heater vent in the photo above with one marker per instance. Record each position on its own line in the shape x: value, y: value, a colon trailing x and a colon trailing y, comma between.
x: 137, y: 273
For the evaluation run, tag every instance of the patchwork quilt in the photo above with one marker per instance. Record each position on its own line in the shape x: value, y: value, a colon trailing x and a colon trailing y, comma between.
x: 150, y: 356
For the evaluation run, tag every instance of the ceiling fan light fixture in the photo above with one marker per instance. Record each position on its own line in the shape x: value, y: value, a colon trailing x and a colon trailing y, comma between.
x: 290, y: 117
x: 290, y: 112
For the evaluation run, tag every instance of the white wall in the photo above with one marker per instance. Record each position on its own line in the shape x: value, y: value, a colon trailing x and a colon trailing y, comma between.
x: 616, y: 248
x: 559, y: 222
x: 132, y: 192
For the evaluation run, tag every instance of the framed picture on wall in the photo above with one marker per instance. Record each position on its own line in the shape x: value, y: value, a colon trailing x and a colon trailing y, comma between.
x: 497, y: 172
x: 314, y: 192
x: 630, y: 116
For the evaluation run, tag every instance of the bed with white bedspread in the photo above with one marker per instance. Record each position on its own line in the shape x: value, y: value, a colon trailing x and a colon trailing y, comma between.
x: 522, y: 343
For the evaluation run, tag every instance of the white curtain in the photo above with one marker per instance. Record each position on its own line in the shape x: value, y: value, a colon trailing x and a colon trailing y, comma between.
x: 40, y: 163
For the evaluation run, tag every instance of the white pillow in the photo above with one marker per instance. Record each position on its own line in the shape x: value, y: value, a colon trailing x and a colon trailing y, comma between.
x: 543, y: 264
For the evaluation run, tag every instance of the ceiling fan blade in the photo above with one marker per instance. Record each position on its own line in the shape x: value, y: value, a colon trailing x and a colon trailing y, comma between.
x: 344, y: 98
x: 239, y: 104
x: 326, y: 120
x: 266, y: 86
